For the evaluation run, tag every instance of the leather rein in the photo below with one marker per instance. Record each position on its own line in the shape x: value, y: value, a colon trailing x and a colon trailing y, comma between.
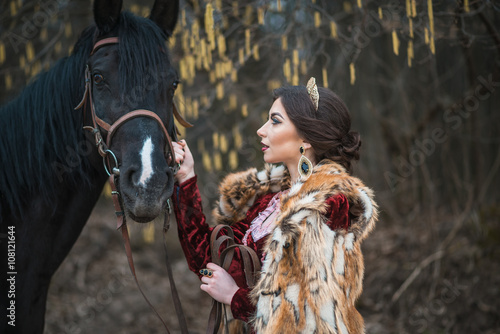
x: 114, y: 172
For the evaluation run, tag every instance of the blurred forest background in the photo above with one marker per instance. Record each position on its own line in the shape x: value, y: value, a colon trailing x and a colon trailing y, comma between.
x: 422, y: 82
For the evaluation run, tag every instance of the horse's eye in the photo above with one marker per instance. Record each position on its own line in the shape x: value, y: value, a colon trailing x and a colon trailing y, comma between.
x: 175, y: 84
x: 98, y: 78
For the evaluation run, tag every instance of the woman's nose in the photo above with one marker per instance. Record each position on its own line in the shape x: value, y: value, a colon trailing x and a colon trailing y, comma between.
x: 261, y: 132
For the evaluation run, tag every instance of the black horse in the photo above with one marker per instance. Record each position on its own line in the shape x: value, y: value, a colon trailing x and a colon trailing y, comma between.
x: 51, y: 174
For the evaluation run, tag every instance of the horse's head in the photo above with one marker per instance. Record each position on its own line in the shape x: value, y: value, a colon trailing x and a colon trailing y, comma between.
x: 129, y: 73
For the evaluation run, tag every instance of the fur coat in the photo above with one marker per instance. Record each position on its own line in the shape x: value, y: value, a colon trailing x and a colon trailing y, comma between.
x: 311, y: 275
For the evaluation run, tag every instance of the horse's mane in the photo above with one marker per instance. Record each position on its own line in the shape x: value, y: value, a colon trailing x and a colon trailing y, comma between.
x: 41, y: 131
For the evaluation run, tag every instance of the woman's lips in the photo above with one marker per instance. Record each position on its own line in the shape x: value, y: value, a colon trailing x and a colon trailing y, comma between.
x: 264, y: 147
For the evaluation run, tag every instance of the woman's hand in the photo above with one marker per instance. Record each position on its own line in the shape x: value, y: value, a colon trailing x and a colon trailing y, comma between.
x: 183, y: 157
x: 221, y: 286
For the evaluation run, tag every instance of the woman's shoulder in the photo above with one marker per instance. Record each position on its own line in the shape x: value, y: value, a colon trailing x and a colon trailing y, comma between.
x: 330, y: 187
x: 239, y: 191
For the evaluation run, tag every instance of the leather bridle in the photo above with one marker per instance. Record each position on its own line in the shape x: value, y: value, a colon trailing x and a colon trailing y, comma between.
x: 114, y: 172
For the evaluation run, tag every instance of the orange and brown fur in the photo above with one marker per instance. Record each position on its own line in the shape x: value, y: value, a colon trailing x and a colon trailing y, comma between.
x: 311, y: 276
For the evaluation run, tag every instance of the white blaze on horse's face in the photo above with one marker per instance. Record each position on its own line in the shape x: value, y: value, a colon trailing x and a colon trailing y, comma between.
x: 147, y: 163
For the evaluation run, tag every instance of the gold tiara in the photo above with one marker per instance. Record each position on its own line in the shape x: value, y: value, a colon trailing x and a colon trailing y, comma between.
x: 312, y: 90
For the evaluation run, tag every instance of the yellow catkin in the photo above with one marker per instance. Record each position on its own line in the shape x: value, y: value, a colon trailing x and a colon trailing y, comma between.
x: 183, y: 18
x: 145, y: 11
x: 217, y: 161
x: 221, y: 43
x: 58, y: 47
x: 234, y: 75
x: 260, y: 16
x: 466, y: 6
x: 207, y: 163
x: 196, y: 109
x: 279, y: 6
x: 408, y: 8
x: 284, y: 43
x: 236, y: 10
x: 380, y: 13
x: 196, y: 6
x: 215, y: 140
x: 413, y: 8
x: 359, y: 4
x: 247, y: 17
x: 273, y: 84
x: 410, y: 52
x: 204, y: 52
x: 195, y: 34
x: 238, y: 140
x: 172, y: 42
x: 43, y: 35
x: 220, y: 90
x: 30, y: 51
x: 223, y: 143
x: 287, y: 70
x: 205, y: 101
x: 36, y: 68
x: 185, y: 41
x: 295, y: 77
x: 347, y: 7
x: 333, y: 29
x: 183, y: 69
x: 426, y: 35
x: 233, y: 159
x: 134, y: 9
x: 189, y: 108
x: 211, y: 77
x: 2, y: 53
x: 13, y: 8
x: 317, y: 19
x: 248, y: 49
x: 303, y: 67
x: 201, y: 145
x: 410, y: 27
x: 353, y: 73
x: 395, y: 42
x: 8, y: 81
x: 148, y: 234
x: 244, y: 110
x: 218, y: 4
x: 295, y: 57
x: 209, y: 25
x: 255, y: 52
x: 325, y: 78
x: 233, y: 102
x: 241, y: 56
x: 431, y: 26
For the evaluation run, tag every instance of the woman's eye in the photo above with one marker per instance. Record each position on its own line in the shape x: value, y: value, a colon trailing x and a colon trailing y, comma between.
x: 98, y: 78
x: 275, y: 120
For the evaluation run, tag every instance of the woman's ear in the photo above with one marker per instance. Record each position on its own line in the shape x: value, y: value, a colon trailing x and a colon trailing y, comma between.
x: 306, y: 145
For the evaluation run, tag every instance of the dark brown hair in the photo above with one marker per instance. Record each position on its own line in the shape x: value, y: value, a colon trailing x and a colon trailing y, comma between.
x: 327, y: 129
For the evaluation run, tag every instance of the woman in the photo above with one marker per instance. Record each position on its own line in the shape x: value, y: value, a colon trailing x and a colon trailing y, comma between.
x: 305, y: 219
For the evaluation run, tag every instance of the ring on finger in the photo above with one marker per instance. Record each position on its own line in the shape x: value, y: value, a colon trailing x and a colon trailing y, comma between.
x: 206, y: 272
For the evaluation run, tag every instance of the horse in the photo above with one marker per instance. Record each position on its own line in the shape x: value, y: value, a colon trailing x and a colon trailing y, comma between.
x: 52, y: 173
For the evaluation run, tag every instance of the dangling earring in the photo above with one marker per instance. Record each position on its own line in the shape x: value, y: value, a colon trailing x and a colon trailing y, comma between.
x: 305, y: 165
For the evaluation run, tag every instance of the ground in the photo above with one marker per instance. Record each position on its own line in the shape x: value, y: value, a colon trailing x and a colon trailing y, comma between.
x: 454, y: 290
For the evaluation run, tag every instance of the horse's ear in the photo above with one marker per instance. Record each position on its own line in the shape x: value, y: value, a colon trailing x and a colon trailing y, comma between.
x: 107, y: 14
x: 165, y: 14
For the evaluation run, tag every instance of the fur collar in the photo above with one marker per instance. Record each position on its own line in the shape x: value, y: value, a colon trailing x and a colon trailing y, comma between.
x: 238, y: 192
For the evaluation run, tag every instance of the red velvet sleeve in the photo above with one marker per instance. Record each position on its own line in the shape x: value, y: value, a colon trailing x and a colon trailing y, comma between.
x: 193, y: 230
x: 337, y: 212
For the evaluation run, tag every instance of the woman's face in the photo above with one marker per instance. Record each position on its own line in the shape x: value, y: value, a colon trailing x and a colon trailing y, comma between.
x: 280, y: 140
